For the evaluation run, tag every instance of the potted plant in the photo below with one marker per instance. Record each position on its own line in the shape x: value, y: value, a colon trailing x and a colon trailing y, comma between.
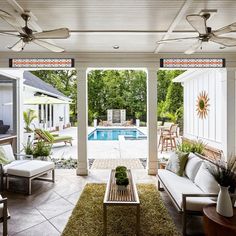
x: 95, y: 121
x: 61, y: 118
x: 195, y: 147
x: 29, y: 115
x: 121, y: 178
x: 225, y: 174
x: 42, y: 150
x: 137, y: 116
x: 28, y: 147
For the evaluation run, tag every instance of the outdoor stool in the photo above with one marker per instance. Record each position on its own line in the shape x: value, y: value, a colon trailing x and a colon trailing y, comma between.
x: 29, y: 170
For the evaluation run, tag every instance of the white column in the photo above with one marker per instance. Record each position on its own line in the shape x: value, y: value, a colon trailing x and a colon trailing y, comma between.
x: 20, y: 109
x: 228, y: 122
x: 152, y: 120
x: 82, y: 95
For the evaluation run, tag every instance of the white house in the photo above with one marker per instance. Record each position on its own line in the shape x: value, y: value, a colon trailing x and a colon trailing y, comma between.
x: 50, y: 115
x: 211, y: 127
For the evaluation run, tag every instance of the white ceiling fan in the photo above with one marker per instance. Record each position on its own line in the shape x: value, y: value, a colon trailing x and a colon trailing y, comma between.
x: 198, y: 22
x: 26, y: 35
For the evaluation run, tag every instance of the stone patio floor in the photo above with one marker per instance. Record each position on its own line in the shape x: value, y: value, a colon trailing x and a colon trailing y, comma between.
x: 46, y: 211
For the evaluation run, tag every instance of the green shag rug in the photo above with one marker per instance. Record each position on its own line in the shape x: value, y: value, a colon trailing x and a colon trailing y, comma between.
x: 87, y: 216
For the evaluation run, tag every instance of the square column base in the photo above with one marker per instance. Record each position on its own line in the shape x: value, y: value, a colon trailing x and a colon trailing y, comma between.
x: 152, y: 168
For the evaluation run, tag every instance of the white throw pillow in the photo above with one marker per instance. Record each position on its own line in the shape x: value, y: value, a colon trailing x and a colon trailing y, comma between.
x: 204, y: 179
x: 193, y: 165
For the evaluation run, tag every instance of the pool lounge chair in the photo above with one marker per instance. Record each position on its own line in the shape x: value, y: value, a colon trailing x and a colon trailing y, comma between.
x: 52, y: 139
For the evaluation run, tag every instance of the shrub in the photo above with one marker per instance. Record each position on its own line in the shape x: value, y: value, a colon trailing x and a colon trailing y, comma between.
x: 42, y: 149
x: 122, y: 181
x: 195, y: 147
x: 121, y: 168
x: 119, y: 174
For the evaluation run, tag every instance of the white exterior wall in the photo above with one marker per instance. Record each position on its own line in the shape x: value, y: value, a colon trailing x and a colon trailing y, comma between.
x: 211, y: 129
x: 6, y: 107
x: 60, y: 110
x: 29, y: 93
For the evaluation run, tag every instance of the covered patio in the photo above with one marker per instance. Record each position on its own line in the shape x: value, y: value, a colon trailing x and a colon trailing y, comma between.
x: 120, y: 35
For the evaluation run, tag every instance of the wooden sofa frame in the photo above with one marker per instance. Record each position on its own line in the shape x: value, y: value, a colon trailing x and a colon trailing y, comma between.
x: 5, y: 216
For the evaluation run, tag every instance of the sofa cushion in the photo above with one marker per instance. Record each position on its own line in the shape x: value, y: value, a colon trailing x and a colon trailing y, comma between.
x: 3, y: 159
x: 8, y: 152
x: 192, y: 166
x: 205, y: 180
x: 177, y: 186
x: 29, y: 168
x: 177, y: 162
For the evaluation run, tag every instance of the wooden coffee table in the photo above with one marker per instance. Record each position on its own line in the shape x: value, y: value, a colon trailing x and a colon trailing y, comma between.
x: 217, y: 225
x: 128, y: 197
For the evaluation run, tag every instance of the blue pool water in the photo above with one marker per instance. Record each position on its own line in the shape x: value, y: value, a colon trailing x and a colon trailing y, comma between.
x: 113, y: 134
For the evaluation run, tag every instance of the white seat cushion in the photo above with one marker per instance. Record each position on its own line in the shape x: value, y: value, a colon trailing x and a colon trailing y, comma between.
x: 177, y: 186
x: 192, y: 166
x: 30, y: 168
x: 13, y: 164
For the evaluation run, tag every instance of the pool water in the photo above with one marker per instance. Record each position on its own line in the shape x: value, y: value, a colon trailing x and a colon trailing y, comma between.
x: 113, y: 134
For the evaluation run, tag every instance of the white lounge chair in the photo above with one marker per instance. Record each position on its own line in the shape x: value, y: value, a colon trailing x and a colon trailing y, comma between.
x: 23, y: 166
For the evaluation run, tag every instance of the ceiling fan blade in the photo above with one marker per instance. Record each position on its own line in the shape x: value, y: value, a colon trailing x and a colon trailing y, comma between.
x: 61, y: 33
x: 226, y: 29
x: 198, y: 23
x: 11, y: 21
x: 175, y: 40
x: 194, y: 47
x: 226, y: 41
x: 18, y: 46
x: 9, y: 34
x: 48, y: 46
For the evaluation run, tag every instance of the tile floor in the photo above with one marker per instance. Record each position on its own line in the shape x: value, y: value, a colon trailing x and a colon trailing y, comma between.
x: 46, y: 211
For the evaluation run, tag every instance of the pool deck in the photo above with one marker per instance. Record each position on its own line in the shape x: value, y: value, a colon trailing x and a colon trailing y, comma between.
x: 118, y: 149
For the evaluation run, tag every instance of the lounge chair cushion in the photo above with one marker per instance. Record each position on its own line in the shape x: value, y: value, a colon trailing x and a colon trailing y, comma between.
x: 48, y: 135
x: 178, y: 185
x: 62, y: 138
x: 8, y: 152
x: 29, y: 168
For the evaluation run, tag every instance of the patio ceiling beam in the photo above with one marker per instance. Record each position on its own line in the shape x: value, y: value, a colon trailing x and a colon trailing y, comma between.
x: 175, y: 22
x: 75, y: 32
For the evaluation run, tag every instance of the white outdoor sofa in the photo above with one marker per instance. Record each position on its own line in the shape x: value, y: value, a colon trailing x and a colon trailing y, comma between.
x: 23, y: 166
x: 191, y: 192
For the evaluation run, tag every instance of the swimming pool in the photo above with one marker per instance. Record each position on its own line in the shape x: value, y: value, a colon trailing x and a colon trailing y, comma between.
x: 113, y: 134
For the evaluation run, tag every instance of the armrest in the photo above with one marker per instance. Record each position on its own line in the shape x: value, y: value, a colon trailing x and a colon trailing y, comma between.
x: 185, y: 196
x: 5, y: 211
x: 23, y: 156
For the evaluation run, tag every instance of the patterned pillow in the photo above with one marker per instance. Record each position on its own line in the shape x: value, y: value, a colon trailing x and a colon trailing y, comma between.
x: 3, y: 159
x: 177, y: 162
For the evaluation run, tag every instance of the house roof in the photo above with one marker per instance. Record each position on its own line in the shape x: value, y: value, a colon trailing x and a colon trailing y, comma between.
x: 36, y: 82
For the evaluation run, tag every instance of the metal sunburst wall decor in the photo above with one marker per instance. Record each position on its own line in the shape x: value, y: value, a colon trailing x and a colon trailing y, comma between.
x: 202, y: 105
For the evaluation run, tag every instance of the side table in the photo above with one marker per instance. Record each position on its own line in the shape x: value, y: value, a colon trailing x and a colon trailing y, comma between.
x: 217, y: 225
